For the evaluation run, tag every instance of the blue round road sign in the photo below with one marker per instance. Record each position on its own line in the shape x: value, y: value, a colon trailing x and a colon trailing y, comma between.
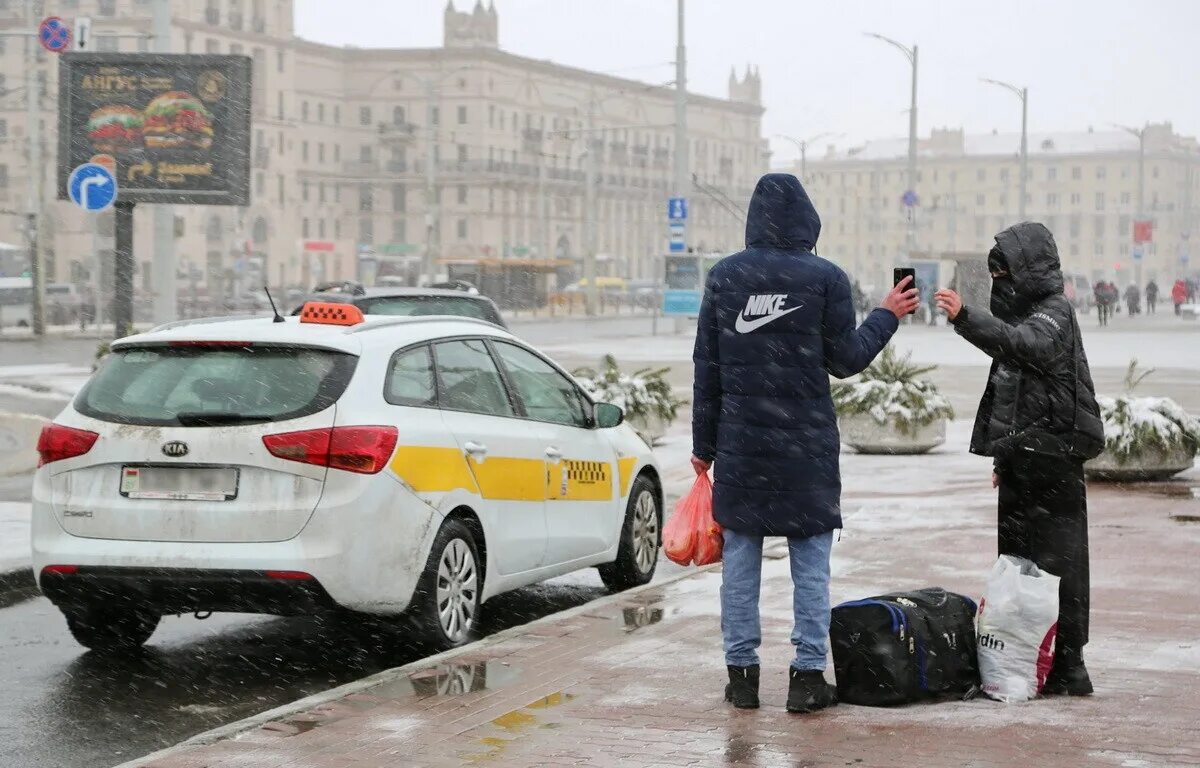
x: 54, y: 34
x: 92, y: 187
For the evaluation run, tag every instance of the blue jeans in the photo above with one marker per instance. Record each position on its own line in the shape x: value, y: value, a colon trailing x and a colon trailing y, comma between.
x: 741, y: 575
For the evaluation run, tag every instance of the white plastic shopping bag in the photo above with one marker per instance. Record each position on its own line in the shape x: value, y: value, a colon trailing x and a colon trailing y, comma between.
x: 1018, y: 618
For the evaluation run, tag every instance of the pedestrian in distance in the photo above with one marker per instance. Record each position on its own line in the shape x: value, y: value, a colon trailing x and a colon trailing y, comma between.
x: 1151, y: 296
x: 1133, y: 299
x: 1101, y: 295
x: 775, y: 322
x: 1039, y: 421
x: 1178, y: 296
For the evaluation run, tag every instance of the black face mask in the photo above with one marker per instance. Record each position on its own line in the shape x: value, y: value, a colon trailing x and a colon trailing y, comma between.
x: 1006, y: 304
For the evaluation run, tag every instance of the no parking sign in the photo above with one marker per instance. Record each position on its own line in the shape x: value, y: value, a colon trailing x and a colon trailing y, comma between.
x: 54, y: 34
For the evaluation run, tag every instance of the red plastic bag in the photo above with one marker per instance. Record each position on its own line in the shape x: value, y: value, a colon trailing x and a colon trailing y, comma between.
x: 692, y: 535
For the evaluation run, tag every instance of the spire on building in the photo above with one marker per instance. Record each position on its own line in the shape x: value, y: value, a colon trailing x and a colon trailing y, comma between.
x: 477, y: 28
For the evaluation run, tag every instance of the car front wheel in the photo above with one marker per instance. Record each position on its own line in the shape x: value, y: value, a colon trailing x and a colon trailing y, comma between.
x: 641, y: 538
x: 447, y: 600
x: 111, y: 627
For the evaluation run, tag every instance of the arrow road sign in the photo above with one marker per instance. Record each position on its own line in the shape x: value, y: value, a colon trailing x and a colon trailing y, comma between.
x: 92, y: 187
x: 54, y: 34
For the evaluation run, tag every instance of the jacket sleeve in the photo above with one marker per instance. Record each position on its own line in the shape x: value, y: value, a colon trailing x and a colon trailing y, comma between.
x: 848, y: 350
x: 706, y: 389
x: 1036, y: 343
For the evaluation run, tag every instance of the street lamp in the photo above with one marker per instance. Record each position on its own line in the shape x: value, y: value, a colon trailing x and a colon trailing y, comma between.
x: 802, y: 145
x: 1140, y: 133
x: 1023, y: 95
x: 911, y: 55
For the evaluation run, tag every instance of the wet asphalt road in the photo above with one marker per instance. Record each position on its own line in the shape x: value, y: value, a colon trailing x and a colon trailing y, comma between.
x: 64, y: 707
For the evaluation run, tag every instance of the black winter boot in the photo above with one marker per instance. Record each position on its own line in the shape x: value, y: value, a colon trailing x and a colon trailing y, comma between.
x: 742, y: 689
x: 1068, y: 676
x: 808, y: 691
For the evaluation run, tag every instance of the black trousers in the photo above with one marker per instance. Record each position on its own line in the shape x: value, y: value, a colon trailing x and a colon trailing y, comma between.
x: 1043, y: 518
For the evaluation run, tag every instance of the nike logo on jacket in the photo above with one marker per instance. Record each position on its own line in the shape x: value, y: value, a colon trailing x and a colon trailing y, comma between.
x: 769, y: 308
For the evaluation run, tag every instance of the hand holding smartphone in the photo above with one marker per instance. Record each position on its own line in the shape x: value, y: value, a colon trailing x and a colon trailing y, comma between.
x: 910, y: 290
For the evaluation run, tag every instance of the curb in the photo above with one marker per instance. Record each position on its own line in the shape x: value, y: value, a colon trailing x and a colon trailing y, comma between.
x: 231, y: 730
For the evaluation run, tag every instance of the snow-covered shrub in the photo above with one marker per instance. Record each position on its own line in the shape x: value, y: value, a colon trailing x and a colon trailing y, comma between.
x: 643, y: 395
x: 1134, y: 426
x: 891, y: 391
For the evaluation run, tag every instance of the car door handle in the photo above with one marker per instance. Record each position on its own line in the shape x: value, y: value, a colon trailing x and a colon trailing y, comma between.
x: 475, y: 449
x: 553, y: 454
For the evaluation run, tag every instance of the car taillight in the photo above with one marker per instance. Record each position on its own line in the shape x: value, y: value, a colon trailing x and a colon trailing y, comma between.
x: 365, y: 450
x: 58, y: 442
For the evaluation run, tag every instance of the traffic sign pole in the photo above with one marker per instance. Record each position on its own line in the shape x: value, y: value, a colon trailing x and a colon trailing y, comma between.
x: 123, y: 271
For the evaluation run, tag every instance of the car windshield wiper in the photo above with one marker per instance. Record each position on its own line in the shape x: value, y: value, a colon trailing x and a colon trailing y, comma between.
x: 219, y: 418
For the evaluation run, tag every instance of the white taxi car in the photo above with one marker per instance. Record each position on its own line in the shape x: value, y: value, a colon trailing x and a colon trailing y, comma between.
x: 383, y: 465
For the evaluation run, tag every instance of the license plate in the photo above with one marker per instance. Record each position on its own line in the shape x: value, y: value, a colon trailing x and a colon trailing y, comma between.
x: 180, y: 483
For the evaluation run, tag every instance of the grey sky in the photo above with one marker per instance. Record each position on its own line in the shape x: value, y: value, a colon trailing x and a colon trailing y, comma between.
x: 1086, y: 62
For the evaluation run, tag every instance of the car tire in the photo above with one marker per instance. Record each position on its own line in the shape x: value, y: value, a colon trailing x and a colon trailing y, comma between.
x: 641, y: 540
x: 109, y: 627
x: 447, y: 600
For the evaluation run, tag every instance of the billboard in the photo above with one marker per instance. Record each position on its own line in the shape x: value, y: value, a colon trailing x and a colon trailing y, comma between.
x: 177, y: 126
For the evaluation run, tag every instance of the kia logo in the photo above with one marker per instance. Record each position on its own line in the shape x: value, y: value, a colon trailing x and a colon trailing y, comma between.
x: 175, y: 449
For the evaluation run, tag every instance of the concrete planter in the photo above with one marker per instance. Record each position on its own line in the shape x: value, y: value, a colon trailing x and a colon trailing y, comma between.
x: 652, y: 428
x: 1155, y: 464
x: 865, y: 435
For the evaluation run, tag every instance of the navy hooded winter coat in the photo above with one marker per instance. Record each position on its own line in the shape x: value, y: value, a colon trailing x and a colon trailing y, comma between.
x: 776, y: 321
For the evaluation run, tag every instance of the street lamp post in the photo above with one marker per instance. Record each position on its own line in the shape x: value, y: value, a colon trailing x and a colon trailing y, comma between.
x: 1140, y: 133
x: 1023, y: 95
x: 911, y: 55
x: 802, y: 145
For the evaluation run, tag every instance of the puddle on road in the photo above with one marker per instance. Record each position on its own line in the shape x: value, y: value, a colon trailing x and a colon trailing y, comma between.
x: 1186, y: 518
x: 449, y: 680
x: 636, y: 617
x: 1168, y: 490
x: 441, y: 680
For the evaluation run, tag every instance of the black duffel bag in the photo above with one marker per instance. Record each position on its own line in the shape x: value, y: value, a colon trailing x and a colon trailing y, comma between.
x: 904, y: 647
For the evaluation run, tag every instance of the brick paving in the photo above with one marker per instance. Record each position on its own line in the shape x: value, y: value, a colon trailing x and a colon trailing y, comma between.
x: 637, y: 681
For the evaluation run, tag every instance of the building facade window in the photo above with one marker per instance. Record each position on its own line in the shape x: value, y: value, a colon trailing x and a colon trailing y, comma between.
x: 462, y: 115
x: 398, y: 116
x: 462, y: 229
x: 1076, y: 173
x: 1051, y: 173
x: 1099, y: 201
x: 364, y: 115
x: 399, y: 197
x: 399, y: 231
x: 366, y: 231
x: 366, y: 198
x: 462, y: 194
x: 1101, y: 172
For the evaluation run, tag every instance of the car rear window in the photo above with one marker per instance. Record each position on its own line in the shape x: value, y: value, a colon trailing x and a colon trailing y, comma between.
x: 202, y: 385
x: 430, y: 305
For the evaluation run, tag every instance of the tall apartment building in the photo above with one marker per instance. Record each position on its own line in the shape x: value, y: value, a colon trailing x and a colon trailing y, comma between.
x: 471, y: 151
x: 1082, y: 185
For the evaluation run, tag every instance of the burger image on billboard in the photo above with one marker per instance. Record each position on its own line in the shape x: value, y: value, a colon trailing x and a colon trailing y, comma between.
x: 115, y: 128
x: 177, y: 120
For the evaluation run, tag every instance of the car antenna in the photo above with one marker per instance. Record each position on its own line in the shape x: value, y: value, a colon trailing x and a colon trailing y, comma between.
x: 278, y: 317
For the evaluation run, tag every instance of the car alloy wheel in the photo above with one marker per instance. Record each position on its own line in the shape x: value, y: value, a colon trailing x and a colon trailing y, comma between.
x: 645, y: 531
x: 457, y: 590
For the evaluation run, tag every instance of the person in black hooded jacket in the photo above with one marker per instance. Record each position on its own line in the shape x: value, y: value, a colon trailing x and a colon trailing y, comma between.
x: 1038, y: 418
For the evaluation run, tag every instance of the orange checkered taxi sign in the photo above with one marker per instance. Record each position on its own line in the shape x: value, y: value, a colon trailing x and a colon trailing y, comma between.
x: 330, y: 313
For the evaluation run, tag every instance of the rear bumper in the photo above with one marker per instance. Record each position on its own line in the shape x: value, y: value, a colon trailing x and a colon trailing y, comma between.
x: 184, y: 590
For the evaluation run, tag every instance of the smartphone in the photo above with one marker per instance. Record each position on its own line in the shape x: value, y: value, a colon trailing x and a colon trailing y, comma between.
x: 899, y: 273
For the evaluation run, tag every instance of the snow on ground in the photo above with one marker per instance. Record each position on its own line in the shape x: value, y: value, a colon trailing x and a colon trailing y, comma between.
x: 14, y: 535
x: 1157, y: 343
x: 51, y: 381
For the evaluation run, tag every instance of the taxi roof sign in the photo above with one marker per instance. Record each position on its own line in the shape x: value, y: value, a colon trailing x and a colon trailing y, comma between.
x: 330, y: 313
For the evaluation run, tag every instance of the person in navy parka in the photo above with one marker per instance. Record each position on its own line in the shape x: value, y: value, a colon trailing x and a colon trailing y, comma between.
x: 775, y: 322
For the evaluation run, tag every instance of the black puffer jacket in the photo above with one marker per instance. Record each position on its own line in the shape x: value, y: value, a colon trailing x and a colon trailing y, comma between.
x: 1039, y: 395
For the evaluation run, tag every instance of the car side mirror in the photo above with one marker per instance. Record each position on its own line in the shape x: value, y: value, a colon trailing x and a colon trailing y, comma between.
x: 608, y: 416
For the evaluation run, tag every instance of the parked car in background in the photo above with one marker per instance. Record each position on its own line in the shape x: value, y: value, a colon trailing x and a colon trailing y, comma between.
x: 413, y: 302
x: 1079, y: 292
